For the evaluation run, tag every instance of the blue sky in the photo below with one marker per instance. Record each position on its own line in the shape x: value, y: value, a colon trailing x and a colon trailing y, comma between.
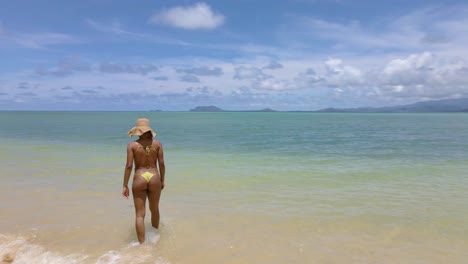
x: 238, y: 54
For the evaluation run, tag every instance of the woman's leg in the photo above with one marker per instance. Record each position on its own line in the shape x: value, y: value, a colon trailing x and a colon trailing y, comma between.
x: 154, y: 193
x: 139, y: 190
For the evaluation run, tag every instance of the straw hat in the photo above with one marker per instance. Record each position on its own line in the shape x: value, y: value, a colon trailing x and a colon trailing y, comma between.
x: 142, y: 126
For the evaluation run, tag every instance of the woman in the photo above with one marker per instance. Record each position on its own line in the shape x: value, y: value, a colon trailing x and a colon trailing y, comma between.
x: 147, y: 181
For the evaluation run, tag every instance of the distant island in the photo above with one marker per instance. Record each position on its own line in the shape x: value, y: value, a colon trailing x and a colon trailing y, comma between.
x: 438, y: 106
x: 212, y: 108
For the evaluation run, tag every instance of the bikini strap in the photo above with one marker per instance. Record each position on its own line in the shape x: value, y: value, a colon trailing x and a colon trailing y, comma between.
x: 146, y: 148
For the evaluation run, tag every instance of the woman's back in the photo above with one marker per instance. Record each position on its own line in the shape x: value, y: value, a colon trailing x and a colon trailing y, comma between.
x: 146, y: 154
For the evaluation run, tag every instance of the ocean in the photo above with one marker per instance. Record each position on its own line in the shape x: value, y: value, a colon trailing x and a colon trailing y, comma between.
x: 241, y: 187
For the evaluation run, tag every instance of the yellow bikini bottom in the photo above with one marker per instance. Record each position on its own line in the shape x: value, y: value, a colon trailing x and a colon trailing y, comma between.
x: 147, y: 175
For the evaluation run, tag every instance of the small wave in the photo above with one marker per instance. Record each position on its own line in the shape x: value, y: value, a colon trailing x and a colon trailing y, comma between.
x: 152, y: 236
x: 109, y: 258
x: 134, y: 252
x: 19, y: 249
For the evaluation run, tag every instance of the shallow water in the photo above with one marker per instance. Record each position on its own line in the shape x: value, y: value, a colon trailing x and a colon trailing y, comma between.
x: 240, y: 188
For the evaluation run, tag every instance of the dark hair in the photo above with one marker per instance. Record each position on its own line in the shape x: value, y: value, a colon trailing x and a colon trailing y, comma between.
x: 147, y: 134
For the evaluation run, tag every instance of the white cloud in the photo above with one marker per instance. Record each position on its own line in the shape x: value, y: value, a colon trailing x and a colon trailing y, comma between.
x: 425, y: 75
x: 337, y: 73
x: 415, y: 69
x: 412, y: 62
x: 274, y: 84
x: 198, y: 16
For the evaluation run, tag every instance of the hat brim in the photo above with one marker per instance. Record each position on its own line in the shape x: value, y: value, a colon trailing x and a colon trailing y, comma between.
x: 138, y: 131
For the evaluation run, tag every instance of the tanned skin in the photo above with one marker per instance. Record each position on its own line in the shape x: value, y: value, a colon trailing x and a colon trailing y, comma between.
x: 141, y: 189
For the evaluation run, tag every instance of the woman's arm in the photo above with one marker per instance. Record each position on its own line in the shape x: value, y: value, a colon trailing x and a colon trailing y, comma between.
x: 128, y: 170
x: 162, y: 166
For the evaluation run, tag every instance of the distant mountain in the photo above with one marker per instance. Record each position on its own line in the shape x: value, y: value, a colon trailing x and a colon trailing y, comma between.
x: 447, y: 105
x: 210, y: 108
x: 439, y: 106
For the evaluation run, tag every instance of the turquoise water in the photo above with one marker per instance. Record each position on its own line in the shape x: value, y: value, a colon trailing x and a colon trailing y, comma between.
x: 296, y: 173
